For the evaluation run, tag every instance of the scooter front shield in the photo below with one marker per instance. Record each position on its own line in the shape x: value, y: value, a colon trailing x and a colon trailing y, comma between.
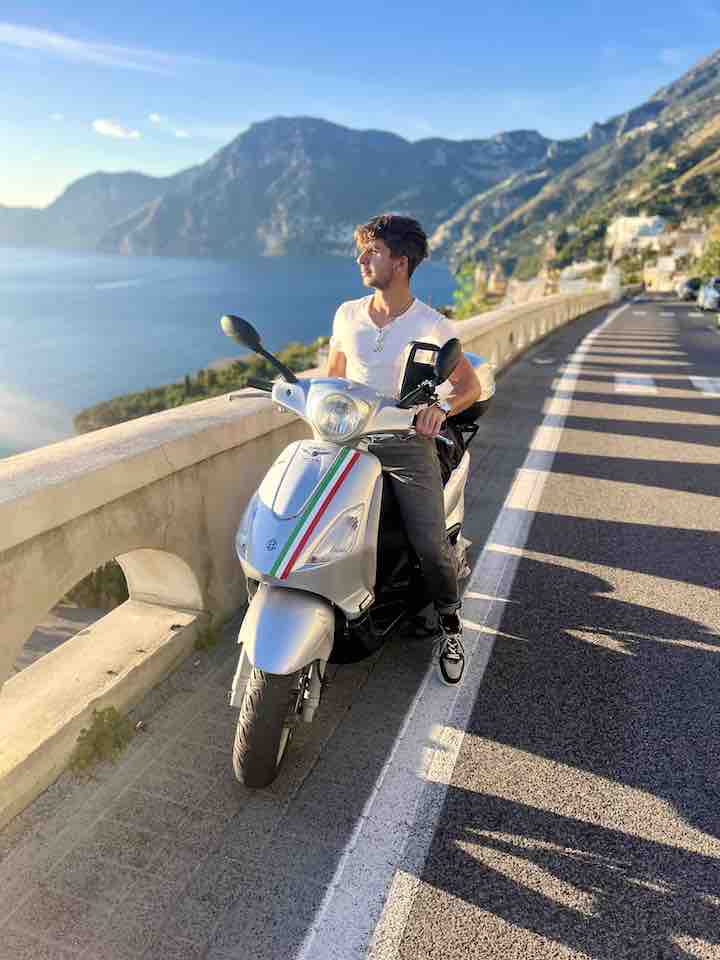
x: 283, y: 631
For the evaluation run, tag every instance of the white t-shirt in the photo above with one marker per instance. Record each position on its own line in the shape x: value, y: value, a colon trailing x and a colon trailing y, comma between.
x: 355, y: 335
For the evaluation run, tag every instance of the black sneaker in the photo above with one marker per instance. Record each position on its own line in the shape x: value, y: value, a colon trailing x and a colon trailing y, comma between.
x: 451, y: 653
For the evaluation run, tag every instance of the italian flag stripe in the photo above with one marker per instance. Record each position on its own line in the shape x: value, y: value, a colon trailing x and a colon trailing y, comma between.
x: 309, y: 509
x: 321, y: 510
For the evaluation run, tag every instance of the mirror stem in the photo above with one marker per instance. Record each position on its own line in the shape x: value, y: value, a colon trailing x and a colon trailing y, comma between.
x: 284, y: 371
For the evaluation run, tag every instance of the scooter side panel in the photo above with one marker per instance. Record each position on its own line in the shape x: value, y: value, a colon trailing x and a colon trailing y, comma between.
x: 454, y: 492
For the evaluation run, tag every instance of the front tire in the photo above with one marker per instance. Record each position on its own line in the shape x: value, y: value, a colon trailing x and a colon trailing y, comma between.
x: 268, y: 714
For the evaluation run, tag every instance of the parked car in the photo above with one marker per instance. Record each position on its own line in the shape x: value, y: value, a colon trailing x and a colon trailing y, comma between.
x: 688, y: 289
x: 709, y: 295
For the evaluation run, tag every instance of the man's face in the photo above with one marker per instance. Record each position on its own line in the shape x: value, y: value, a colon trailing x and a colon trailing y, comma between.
x: 378, y: 267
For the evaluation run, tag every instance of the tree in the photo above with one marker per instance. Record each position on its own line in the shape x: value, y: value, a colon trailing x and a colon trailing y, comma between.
x: 464, y: 293
x: 708, y: 265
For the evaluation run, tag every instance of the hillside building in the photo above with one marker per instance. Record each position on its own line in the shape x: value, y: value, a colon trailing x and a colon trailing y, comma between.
x: 626, y: 232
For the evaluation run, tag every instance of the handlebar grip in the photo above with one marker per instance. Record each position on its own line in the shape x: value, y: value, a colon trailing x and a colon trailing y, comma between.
x: 259, y: 383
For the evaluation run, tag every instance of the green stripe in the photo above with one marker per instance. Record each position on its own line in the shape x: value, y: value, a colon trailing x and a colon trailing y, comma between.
x: 321, y: 487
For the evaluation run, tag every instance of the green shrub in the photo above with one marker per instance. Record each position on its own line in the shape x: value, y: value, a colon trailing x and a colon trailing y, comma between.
x: 104, y: 588
x: 105, y: 739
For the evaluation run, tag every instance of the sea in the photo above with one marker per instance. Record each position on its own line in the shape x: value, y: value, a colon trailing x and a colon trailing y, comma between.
x: 79, y: 328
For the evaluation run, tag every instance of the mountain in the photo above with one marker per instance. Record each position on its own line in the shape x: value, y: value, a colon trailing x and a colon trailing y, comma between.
x: 661, y: 158
x: 82, y: 213
x: 299, y: 185
x: 286, y: 185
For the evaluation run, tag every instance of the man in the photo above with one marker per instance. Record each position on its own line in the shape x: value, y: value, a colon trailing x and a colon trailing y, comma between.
x: 370, y: 344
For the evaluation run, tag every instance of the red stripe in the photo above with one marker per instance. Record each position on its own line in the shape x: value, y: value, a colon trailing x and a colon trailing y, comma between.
x: 318, y: 515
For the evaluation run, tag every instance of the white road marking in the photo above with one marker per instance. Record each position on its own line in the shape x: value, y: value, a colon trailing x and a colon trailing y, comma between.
x: 371, y: 895
x: 668, y: 316
x: 710, y: 386
x: 639, y: 313
x: 634, y: 383
x: 696, y: 314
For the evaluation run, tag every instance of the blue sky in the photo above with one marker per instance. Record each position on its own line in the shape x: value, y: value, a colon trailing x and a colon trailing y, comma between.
x: 89, y: 86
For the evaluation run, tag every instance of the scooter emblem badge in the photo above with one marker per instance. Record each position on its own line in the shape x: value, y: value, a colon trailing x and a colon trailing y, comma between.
x: 271, y: 545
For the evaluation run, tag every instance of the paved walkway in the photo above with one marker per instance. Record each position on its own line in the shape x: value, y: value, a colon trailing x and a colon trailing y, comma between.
x: 546, y: 830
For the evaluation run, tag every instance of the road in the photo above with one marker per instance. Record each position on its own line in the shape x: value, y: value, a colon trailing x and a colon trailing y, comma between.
x: 562, y: 803
x: 583, y: 813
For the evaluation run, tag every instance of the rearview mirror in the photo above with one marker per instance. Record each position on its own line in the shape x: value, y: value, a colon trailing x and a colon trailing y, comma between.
x: 242, y: 331
x: 447, y: 359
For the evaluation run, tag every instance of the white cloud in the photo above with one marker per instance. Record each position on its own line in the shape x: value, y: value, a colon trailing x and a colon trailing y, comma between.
x: 110, y: 128
x: 182, y: 134
x: 85, y: 51
x: 57, y: 116
x: 157, y: 118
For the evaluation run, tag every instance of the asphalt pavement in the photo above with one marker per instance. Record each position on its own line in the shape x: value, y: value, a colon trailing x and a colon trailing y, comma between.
x: 582, y: 817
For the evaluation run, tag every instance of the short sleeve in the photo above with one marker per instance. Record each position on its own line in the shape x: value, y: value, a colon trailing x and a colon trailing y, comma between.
x: 338, y: 331
x: 445, y: 329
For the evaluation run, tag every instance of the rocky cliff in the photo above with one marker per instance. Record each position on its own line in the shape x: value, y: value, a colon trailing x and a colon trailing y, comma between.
x: 300, y: 185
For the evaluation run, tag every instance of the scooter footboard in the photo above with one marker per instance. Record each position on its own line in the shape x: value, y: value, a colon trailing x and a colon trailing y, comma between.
x: 283, y: 630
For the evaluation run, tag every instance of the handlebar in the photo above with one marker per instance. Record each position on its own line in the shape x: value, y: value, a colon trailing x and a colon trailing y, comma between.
x: 260, y: 383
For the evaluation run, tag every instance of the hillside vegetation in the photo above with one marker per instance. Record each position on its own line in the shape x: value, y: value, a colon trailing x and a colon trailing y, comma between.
x: 205, y: 383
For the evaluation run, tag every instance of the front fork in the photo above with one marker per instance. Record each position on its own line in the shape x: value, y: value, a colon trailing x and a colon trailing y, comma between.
x: 311, y: 681
x: 311, y: 689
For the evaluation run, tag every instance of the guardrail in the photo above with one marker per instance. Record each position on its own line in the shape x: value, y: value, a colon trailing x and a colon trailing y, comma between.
x: 164, y: 495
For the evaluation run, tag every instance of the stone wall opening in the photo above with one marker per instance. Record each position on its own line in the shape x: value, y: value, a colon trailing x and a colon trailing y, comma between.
x: 152, y: 576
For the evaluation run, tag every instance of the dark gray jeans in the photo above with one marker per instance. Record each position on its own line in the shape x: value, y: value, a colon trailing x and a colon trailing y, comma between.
x: 414, y: 471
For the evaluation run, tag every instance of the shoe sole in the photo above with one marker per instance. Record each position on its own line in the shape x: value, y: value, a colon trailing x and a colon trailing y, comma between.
x: 450, y: 683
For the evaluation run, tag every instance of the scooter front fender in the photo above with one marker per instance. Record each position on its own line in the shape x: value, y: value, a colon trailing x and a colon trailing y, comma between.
x: 283, y: 631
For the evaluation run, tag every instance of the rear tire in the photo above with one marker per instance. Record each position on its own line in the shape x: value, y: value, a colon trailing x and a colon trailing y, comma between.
x: 268, y: 714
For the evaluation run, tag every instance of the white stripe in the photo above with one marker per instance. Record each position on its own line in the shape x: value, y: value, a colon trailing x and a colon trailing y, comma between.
x: 710, y: 386
x: 696, y: 314
x: 634, y: 383
x: 420, y: 766
x: 639, y: 313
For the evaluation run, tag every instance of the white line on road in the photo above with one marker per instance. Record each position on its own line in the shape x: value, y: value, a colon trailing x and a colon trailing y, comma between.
x: 374, y: 886
x: 710, y: 386
x: 696, y: 314
x: 634, y: 383
x: 639, y: 313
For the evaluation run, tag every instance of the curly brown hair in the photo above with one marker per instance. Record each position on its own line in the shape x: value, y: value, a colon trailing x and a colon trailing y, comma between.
x: 403, y: 236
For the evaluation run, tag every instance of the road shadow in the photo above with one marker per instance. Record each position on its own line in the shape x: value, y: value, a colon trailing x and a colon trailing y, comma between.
x: 583, y: 681
x: 684, y: 477
x: 642, y: 429
x: 699, y: 404
x: 599, y: 892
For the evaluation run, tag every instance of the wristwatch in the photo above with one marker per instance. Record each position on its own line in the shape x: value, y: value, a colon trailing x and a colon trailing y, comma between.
x: 444, y: 406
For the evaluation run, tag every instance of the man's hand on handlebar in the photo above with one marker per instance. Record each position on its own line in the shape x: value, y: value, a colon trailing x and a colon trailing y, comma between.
x: 430, y: 421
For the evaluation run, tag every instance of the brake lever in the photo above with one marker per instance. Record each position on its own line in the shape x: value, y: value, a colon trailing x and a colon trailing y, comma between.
x: 438, y: 436
x: 249, y: 396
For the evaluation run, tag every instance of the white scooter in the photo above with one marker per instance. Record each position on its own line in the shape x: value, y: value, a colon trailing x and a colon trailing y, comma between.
x: 329, y: 571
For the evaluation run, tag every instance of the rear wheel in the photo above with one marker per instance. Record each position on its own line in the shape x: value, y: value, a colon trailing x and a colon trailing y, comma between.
x: 269, y: 712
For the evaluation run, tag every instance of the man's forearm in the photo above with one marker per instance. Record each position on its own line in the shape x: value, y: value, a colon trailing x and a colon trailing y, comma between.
x: 461, y: 399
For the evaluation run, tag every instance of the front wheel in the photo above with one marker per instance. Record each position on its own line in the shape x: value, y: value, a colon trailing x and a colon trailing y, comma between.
x: 270, y: 709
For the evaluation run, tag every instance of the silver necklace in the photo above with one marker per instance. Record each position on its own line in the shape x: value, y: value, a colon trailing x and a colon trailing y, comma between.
x: 380, y: 333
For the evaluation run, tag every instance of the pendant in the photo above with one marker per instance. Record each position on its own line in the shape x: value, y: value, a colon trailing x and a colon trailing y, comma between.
x: 379, y: 339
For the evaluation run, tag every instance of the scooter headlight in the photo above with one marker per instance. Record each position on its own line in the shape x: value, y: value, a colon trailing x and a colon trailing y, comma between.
x: 337, y: 416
